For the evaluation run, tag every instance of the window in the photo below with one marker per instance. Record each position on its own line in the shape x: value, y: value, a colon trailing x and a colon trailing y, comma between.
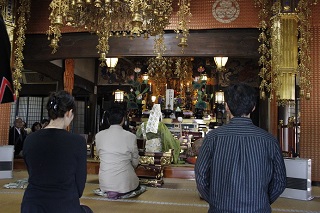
x: 34, y: 109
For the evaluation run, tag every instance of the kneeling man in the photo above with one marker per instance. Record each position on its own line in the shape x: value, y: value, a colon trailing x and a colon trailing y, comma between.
x: 119, y: 156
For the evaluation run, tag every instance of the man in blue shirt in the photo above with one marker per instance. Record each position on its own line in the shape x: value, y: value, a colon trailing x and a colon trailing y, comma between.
x: 240, y: 167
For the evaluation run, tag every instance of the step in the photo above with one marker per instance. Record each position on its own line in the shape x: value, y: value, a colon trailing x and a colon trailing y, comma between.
x: 183, y: 171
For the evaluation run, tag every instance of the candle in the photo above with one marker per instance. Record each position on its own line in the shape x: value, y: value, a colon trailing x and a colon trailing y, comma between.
x: 166, y: 87
x: 150, y: 87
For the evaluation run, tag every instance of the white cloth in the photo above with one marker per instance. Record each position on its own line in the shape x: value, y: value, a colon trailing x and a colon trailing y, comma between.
x: 152, y: 145
x: 118, y: 152
x: 154, y: 117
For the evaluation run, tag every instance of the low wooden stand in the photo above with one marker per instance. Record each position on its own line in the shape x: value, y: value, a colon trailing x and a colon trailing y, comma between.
x: 150, y: 169
x: 185, y: 171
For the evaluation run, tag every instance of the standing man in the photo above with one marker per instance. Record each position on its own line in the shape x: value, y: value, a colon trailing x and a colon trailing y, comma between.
x: 240, y: 167
x: 17, y: 135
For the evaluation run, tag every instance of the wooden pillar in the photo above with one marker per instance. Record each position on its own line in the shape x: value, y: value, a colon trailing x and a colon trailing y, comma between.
x: 5, y: 108
x: 4, y: 123
x: 68, y: 77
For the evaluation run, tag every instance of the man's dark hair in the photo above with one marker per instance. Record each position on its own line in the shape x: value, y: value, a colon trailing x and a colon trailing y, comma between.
x: 116, y: 113
x: 241, y: 99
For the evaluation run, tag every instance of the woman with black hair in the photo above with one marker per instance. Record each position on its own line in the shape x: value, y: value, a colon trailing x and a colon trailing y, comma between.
x: 56, y: 162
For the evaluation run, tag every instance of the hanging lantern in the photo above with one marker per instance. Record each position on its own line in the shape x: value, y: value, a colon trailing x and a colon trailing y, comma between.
x: 219, y: 97
x: 118, y: 96
x: 220, y: 62
x: 111, y: 62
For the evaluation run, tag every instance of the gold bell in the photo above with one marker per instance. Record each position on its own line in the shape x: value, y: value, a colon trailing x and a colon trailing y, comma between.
x: 308, y: 96
x: 183, y: 42
x: 102, y: 57
x: 58, y: 20
x: 53, y: 43
x: 97, y: 3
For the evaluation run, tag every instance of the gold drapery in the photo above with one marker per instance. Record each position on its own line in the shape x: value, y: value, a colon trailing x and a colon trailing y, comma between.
x: 285, y: 56
x: 285, y: 49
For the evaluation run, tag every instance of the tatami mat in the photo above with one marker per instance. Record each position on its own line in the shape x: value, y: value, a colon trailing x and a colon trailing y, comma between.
x: 176, y: 196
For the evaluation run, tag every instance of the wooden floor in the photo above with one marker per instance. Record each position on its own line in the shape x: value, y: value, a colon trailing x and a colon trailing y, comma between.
x: 175, y: 196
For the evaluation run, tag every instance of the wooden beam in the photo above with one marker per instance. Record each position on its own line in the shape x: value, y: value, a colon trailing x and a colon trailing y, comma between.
x: 45, y: 67
x: 224, y: 42
x: 56, y: 74
x: 84, y: 84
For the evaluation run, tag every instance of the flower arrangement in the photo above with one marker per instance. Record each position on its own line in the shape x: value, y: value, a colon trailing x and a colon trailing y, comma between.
x: 201, y: 69
x: 135, y: 97
x: 200, y: 86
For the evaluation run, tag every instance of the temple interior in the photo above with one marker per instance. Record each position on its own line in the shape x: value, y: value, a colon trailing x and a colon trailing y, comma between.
x: 182, y: 60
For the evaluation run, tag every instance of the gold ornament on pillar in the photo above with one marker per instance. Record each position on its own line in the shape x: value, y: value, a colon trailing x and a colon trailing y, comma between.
x: 284, y: 57
x: 23, y: 17
x: 285, y: 49
x: 304, y: 66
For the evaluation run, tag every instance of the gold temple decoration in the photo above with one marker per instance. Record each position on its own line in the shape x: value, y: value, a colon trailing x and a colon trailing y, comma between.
x: 23, y: 17
x: 304, y: 66
x: 285, y: 56
x: 157, y: 71
x: 7, y: 9
x: 264, y: 48
x: 184, y: 16
x: 146, y: 160
x: 127, y: 18
x: 285, y: 49
x: 160, y: 70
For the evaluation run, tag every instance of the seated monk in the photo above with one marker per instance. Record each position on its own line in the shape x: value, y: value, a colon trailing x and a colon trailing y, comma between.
x: 154, y: 128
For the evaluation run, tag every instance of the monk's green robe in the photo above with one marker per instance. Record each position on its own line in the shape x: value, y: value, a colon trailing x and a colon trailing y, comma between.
x: 167, y: 139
